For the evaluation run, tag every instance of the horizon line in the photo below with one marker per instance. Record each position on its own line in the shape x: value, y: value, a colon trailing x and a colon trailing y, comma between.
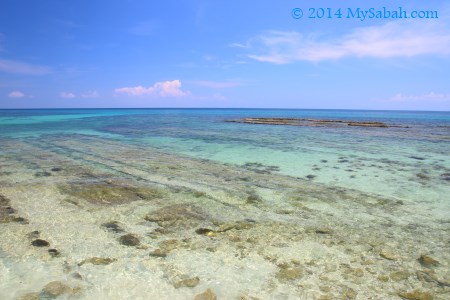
x: 233, y: 108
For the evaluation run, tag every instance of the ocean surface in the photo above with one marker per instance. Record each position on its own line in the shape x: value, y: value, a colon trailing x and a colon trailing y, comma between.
x: 168, y: 203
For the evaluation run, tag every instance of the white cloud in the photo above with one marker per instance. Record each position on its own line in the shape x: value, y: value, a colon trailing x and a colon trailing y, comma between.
x: 16, y: 94
x: 215, y: 84
x: 161, y: 89
x: 393, y: 39
x: 90, y: 94
x: 430, y: 97
x: 239, y: 45
x: 17, y: 67
x: 67, y: 95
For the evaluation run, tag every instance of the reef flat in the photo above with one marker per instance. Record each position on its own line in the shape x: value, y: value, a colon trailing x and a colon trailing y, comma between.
x: 101, y: 218
x: 311, y: 122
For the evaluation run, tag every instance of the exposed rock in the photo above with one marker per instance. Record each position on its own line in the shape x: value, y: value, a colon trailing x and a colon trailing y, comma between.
x: 40, y: 243
x: 98, y: 261
x: 191, y: 282
x: 55, y: 289
x: 416, y: 295
x: 206, y: 295
x: 54, y: 252
x: 129, y: 240
x: 113, y: 226
x: 427, y: 261
x: 56, y: 169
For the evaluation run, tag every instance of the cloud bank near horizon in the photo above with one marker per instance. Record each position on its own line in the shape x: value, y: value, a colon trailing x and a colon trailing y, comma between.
x: 159, y: 89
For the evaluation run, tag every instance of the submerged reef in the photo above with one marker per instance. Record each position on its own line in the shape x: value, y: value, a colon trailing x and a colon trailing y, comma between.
x: 109, y: 193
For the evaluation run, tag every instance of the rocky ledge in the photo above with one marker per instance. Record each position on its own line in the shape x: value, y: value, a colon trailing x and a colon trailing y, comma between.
x: 310, y: 122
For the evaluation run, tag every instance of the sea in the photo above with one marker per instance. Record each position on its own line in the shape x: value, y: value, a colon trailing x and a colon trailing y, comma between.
x: 183, y: 203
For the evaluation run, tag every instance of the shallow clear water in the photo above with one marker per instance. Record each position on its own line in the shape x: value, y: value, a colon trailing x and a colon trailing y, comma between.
x: 67, y: 172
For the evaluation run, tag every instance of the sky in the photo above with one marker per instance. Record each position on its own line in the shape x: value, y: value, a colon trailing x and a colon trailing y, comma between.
x: 224, y: 53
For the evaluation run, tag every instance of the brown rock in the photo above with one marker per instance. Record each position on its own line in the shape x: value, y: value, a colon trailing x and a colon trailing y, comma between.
x: 158, y: 253
x: 77, y: 275
x: 324, y: 230
x: 98, y: 261
x: 206, y: 295
x: 204, y: 231
x: 29, y: 296
x: 429, y: 276
x: 40, y: 243
x: 178, y: 214
x: 416, y: 295
x: 399, y: 275
x: 129, y: 240
x: 110, y: 193
x: 54, y: 252
x: 348, y: 293
x: 191, y: 282
x: 388, y: 254
x: 55, y: 289
x: 226, y: 227
x: 427, y: 261
x: 287, y: 274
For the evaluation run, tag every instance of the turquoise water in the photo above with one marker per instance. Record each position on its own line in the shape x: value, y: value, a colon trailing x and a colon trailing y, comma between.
x: 249, y: 211
x: 380, y: 160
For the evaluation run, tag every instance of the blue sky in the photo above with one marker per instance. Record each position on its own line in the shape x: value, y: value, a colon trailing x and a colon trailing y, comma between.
x: 222, y: 53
